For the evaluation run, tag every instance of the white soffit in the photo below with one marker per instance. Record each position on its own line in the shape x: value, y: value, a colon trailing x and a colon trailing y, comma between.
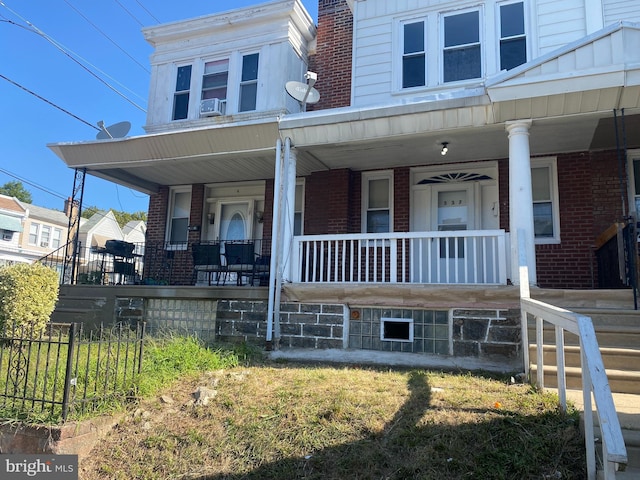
x: 206, y: 143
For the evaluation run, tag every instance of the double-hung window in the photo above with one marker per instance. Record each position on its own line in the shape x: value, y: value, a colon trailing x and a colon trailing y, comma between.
x: 214, y: 80
x: 34, y: 231
x: 56, y: 238
x: 513, y: 40
x: 462, y: 54
x: 179, y: 209
x: 45, y: 236
x: 414, y: 56
x: 546, y: 211
x: 377, y: 195
x: 249, y: 82
x: 298, y: 216
x: 181, y: 95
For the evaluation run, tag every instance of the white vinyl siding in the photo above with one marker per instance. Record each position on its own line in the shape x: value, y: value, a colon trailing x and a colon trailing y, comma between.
x: 616, y: 10
x: 559, y: 23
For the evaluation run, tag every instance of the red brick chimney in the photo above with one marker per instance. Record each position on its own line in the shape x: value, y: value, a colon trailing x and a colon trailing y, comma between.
x: 332, y: 60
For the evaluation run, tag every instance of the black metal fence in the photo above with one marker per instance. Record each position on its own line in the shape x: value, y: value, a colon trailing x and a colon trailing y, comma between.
x: 65, y: 371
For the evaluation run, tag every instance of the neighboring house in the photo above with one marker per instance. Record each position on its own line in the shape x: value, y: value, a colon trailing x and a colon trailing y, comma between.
x: 12, y: 219
x: 30, y: 232
x: 45, y: 232
x: 451, y: 140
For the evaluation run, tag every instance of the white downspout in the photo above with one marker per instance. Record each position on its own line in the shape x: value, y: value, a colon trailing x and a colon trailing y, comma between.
x: 275, y: 228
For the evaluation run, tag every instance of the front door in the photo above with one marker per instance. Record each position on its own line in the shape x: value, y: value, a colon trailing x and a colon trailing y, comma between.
x: 234, y: 221
x: 452, y: 201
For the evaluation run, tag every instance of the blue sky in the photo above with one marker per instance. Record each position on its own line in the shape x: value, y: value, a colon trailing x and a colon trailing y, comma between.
x: 105, y: 37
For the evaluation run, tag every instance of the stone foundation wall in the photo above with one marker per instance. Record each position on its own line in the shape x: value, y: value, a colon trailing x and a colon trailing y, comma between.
x: 486, y: 333
x: 478, y: 333
x: 312, y: 326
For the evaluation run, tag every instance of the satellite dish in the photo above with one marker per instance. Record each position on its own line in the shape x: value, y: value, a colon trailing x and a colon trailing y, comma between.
x: 302, y: 92
x: 117, y: 130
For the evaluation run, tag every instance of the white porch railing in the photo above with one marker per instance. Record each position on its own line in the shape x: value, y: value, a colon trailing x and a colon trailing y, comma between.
x: 594, y: 376
x: 460, y: 257
x: 594, y: 380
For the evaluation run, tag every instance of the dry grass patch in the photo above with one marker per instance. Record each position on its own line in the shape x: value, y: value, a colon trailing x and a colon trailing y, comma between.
x: 288, y: 421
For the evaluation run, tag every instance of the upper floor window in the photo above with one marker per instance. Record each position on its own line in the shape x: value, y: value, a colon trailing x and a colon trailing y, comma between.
x: 546, y: 211
x: 214, y: 80
x: 181, y: 95
x: 56, y: 239
x: 462, y: 55
x: 179, y: 210
x: 34, y: 230
x: 377, y: 194
x: 249, y: 82
x: 45, y: 236
x: 513, y: 41
x: 413, y: 55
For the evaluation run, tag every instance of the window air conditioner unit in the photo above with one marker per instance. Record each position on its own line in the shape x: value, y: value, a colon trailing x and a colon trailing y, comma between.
x: 44, y: 244
x: 211, y: 107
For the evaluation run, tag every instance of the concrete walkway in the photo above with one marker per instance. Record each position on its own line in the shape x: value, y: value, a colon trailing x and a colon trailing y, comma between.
x: 627, y: 406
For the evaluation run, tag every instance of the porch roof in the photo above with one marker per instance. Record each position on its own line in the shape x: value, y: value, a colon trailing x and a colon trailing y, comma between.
x: 570, y: 95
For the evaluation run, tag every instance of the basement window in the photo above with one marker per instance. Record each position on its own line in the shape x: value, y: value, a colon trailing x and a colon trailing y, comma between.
x: 396, y: 329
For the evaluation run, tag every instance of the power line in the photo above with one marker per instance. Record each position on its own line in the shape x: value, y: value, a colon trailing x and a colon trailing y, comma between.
x: 33, y: 184
x: 48, y: 101
x: 145, y: 9
x: 130, y: 14
x: 107, y: 36
x: 66, y: 51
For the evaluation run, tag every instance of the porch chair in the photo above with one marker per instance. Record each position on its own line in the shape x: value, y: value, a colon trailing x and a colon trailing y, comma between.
x: 241, y: 259
x: 206, y: 258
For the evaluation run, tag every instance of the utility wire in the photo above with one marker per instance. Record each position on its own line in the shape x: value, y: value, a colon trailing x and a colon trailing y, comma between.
x: 107, y: 36
x: 48, y: 101
x: 145, y: 9
x: 130, y: 14
x: 33, y: 184
x: 66, y: 51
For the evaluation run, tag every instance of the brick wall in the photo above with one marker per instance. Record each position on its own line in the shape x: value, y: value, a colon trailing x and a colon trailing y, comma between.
x: 157, y: 215
x: 589, y: 201
x: 327, y: 202
x: 332, y: 61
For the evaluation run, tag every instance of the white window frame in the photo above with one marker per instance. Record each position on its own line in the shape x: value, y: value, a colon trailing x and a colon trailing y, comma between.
x: 633, y: 194
x: 170, y: 216
x: 481, y: 42
x: 552, y: 164
x: 201, y: 76
x: 300, y: 184
x: 499, y: 37
x: 33, y: 226
x: 176, y: 92
x: 45, y: 236
x: 366, y: 178
x: 56, y: 238
x: 401, y: 54
x: 248, y: 82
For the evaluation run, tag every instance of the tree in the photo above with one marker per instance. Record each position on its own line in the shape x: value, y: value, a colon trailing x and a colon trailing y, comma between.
x: 121, y: 217
x: 16, y: 189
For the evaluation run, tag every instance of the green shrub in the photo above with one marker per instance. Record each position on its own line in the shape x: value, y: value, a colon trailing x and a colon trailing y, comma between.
x: 28, y: 295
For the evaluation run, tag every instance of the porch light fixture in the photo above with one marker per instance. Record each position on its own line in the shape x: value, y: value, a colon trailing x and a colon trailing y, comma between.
x: 211, y: 217
x: 445, y: 148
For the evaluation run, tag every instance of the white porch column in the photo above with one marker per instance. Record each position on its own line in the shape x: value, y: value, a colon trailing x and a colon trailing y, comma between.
x: 521, y: 200
x: 288, y: 208
x: 273, y: 312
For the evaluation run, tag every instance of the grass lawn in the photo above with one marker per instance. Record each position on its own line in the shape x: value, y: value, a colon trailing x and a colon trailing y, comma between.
x: 279, y: 420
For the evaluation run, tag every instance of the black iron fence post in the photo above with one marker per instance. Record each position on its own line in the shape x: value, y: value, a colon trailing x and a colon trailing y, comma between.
x: 141, y: 331
x: 68, y: 370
